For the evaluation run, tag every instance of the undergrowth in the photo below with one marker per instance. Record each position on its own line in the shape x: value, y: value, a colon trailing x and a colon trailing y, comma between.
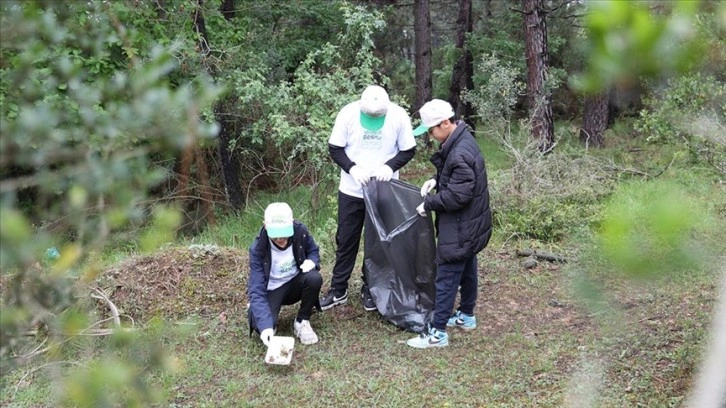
x: 554, y: 335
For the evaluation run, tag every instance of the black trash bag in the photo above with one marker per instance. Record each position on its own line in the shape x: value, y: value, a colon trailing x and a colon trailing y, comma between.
x: 399, y: 252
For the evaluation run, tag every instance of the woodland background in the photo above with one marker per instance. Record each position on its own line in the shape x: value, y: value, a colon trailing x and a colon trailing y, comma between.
x: 147, y: 136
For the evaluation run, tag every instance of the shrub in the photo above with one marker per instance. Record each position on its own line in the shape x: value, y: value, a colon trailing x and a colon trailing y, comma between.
x: 286, y: 139
x: 499, y: 91
x: 690, y: 110
x: 546, y: 197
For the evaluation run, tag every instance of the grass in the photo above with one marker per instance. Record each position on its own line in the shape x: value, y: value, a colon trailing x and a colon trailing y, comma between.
x: 642, y: 350
x: 573, y: 334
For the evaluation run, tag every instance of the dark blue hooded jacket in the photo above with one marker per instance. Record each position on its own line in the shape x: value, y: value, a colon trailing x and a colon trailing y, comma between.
x: 303, y: 247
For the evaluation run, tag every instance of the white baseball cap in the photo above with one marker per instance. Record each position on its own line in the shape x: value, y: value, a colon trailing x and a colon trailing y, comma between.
x: 373, y: 107
x: 278, y: 220
x: 432, y: 113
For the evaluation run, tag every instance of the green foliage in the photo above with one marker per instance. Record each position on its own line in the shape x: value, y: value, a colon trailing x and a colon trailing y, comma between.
x: 498, y: 91
x: 690, y: 110
x: 626, y: 40
x: 85, y: 102
x: 287, y: 142
x: 546, y: 198
x: 499, y: 34
x: 648, y: 228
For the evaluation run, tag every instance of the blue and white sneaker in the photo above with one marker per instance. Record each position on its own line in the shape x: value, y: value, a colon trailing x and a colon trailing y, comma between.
x: 462, y: 320
x: 434, y: 338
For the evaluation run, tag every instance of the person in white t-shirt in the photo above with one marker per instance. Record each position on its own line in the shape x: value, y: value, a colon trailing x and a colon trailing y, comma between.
x: 372, y: 138
x: 284, y: 270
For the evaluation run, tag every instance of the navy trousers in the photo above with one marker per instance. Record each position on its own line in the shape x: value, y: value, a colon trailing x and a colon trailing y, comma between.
x: 449, y: 278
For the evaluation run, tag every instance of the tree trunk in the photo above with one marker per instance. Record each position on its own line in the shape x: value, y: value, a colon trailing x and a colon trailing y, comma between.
x: 539, y: 100
x: 228, y: 160
x: 462, y: 76
x: 595, y: 119
x: 422, y: 59
x: 422, y: 34
x: 227, y: 9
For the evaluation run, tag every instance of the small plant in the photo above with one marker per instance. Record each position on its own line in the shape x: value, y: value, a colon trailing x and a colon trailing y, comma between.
x: 499, y: 91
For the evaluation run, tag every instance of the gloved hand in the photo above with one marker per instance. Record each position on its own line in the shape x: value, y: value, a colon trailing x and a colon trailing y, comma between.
x: 384, y: 173
x: 359, y: 175
x: 266, y: 335
x: 420, y: 210
x: 307, y: 266
x: 427, y: 186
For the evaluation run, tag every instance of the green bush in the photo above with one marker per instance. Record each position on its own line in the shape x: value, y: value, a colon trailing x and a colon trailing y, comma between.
x: 290, y: 122
x: 497, y: 93
x: 85, y: 103
x: 690, y: 110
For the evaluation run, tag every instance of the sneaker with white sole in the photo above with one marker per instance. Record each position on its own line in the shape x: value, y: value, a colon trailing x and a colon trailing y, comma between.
x: 305, y: 332
x: 432, y: 338
x: 332, y: 299
x: 462, y: 321
x: 368, y: 304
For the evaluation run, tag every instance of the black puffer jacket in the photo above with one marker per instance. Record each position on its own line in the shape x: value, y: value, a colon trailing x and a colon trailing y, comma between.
x: 463, y: 217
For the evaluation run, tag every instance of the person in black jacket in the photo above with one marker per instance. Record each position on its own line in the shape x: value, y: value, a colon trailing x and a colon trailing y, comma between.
x: 284, y: 270
x: 463, y: 219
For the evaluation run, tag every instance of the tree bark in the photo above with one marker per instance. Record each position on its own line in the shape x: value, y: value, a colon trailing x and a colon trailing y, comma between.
x: 227, y: 9
x: 422, y: 34
x: 229, y: 163
x: 228, y: 158
x: 595, y: 119
x: 539, y: 100
x: 462, y: 75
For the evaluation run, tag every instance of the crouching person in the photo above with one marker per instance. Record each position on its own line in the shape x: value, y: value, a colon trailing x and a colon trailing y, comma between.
x: 284, y: 270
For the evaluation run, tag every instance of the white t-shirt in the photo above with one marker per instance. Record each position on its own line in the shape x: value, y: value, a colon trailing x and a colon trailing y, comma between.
x: 282, y: 266
x: 367, y: 148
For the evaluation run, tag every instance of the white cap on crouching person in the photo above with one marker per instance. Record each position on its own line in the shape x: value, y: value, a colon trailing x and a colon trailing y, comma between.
x: 373, y: 107
x: 278, y: 220
x: 432, y: 113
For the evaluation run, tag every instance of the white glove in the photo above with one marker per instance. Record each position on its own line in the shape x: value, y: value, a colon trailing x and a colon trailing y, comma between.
x: 427, y: 186
x: 266, y: 335
x: 420, y: 210
x: 359, y: 175
x: 307, y: 266
x: 384, y: 173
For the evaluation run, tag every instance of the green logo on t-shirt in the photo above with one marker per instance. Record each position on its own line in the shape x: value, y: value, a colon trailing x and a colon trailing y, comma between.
x: 372, y: 139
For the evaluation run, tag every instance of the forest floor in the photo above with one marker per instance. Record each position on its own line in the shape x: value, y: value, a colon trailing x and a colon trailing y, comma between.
x: 537, y: 343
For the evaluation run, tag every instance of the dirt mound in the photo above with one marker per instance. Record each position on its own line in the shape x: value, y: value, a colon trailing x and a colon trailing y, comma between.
x: 179, y: 282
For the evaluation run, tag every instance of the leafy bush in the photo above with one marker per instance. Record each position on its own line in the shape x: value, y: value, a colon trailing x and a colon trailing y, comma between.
x: 85, y: 103
x: 652, y: 229
x: 497, y: 93
x: 689, y: 110
x: 290, y: 122
x: 546, y: 197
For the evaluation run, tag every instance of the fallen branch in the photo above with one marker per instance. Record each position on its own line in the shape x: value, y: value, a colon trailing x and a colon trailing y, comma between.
x: 114, y: 309
x: 541, y: 255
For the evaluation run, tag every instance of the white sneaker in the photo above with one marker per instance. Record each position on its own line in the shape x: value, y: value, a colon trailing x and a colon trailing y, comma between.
x: 305, y: 332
